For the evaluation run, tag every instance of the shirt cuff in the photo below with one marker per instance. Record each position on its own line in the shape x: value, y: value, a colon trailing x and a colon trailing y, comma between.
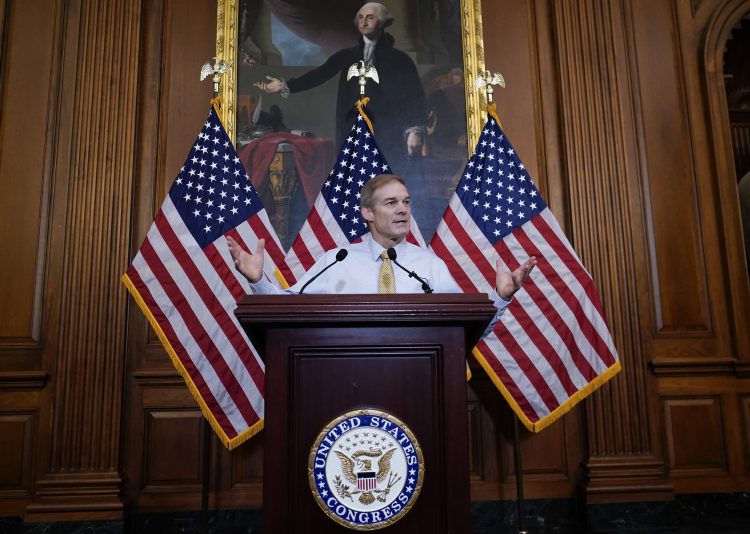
x: 262, y: 287
x: 499, y: 302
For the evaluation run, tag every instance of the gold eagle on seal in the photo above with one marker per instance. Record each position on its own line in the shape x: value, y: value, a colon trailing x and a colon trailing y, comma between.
x: 361, y: 464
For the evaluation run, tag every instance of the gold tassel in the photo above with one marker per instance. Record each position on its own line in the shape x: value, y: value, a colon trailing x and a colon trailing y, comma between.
x: 361, y: 109
x: 492, y: 110
x: 281, y: 279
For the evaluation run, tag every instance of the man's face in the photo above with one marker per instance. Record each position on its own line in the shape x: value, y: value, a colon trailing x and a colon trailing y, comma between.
x: 368, y: 21
x: 390, y: 214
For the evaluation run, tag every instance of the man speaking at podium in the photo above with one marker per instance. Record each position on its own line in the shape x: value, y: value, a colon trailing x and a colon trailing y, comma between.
x: 383, y: 261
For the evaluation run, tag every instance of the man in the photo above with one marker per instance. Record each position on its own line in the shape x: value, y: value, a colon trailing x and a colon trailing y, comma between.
x: 398, y: 106
x: 385, y: 205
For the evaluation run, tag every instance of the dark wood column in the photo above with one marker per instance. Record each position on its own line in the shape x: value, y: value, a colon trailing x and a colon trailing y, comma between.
x: 78, y: 471
x: 603, y: 184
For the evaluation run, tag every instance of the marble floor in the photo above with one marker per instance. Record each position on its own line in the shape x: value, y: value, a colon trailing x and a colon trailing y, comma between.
x: 688, y: 514
x: 692, y: 514
x: 14, y: 526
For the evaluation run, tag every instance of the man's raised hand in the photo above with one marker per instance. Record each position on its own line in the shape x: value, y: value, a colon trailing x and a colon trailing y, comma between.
x: 507, y: 283
x: 249, y: 265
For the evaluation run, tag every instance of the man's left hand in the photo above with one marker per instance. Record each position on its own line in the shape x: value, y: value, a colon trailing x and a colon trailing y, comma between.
x: 507, y: 283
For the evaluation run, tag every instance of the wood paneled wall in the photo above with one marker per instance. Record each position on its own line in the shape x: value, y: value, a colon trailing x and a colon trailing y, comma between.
x: 69, y: 95
x: 623, y: 108
x: 617, y: 108
x: 164, y: 424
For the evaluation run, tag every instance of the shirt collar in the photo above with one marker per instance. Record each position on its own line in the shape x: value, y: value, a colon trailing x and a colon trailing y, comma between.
x: 376, y: 248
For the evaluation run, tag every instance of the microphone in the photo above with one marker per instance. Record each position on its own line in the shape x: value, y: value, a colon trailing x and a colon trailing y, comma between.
x: 392, y: 256
x: 340, y: 255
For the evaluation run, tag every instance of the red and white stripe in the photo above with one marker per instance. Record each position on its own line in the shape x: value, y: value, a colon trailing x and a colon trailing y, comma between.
x: 367, y: 483
x: 553, y: 341
x: 319, y: 234
x: 192, y: 293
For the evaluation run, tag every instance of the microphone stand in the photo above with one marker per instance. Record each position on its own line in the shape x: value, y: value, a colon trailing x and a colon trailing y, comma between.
x: 340, y: 255
x: 425, y: 286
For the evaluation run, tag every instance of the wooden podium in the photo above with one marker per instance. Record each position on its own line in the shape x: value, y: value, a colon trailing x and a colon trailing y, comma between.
x: 326, y: 355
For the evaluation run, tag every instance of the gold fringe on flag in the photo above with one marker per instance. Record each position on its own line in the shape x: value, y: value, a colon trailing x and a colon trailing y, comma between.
x: 229, y: 443
x: 558, y: 412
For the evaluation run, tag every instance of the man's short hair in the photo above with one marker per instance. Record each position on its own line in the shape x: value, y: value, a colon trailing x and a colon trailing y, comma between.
x: 385, y: 17
x: 368, y: 191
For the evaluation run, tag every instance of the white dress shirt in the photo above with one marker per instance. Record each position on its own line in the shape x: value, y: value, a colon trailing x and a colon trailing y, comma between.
x: 358, y: 273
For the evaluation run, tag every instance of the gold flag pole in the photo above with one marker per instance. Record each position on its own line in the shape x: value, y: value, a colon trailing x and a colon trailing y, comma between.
x: 218, y: 69
x: 489, y: 80
x: 362, y: 71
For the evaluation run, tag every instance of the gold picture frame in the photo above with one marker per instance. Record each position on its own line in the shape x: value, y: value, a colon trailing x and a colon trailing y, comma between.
x: 444, y: 81
x: 473, y: 53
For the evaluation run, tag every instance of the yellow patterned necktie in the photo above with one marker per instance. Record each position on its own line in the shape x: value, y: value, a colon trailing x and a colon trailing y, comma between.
x: 386, y: 281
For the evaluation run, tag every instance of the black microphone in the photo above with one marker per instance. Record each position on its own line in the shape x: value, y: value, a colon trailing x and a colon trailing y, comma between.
x: 340, y: 255
x: 425, y: 286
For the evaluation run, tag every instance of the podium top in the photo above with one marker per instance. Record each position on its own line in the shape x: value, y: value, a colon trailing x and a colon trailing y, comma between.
x: 258, y: 313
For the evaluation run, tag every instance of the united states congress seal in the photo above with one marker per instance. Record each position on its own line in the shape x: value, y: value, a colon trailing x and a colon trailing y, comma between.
x: 366, y: 469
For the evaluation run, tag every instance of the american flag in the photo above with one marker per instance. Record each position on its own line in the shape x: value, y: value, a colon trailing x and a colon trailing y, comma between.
x: 184, y: 281
x: 334, y: 220
x: 552, y: 346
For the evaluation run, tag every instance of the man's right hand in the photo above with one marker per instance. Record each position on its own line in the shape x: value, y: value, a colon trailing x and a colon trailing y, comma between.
x: 249, y: 265
x: 274, y: 85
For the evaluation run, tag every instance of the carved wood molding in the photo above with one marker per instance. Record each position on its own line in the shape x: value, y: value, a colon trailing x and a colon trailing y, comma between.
x: 158, y: 378
x: 598, y: 129
x: 23, y: 380
x: 644, y: 474
x: 599, y: 190
x: 91, y: 213
x: 92, y: 306
x: 742, y: 370
x: 699, y: 367
x: 63, y: 497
